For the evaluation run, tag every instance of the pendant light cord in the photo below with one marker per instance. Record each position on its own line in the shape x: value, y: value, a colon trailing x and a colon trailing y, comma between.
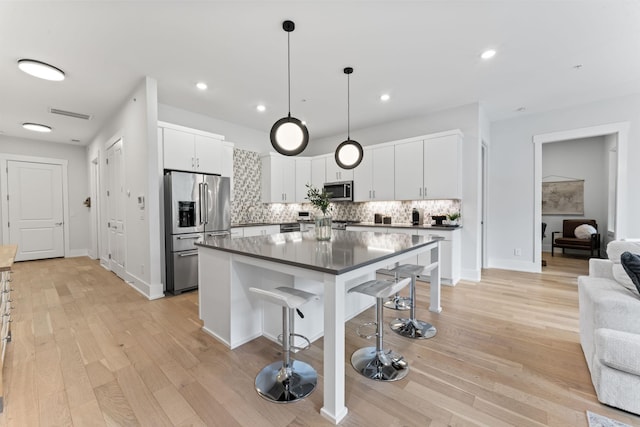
x: 348, y: 109
x: 289, y: 70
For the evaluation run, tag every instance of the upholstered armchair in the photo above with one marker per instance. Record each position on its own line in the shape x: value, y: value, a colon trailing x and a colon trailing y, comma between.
x: 568, y: 240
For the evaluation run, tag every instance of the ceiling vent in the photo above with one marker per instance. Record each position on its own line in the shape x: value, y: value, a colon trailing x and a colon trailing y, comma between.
x: 70, y: 114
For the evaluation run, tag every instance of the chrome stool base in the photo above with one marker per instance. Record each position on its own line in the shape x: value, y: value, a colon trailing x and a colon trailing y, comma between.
x: 413, y: 328
x: 278, y: 384
x: 397, y: 302
x: 379, y: 366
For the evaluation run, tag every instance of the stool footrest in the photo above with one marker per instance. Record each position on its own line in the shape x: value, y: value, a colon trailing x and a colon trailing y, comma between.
x: 295, y: 348
x: 368, y: 337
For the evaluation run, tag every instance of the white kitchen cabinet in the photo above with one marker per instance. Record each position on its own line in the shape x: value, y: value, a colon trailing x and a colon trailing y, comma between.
x: 408, y: 170
x: 318, y: 172
x: 429, y: 168
x: 227, y: 163
x: 192, y: 152
x: 260, y: 230
x: 335, y: 173
x: 450, y: 254
x: 373, y: 179
x: 303, y: 177
x: 278, y: 178
x: 442, y: 167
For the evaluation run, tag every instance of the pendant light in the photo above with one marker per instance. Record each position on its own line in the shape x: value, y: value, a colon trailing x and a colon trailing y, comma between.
x: 349, y: 153
x: 289, y: 136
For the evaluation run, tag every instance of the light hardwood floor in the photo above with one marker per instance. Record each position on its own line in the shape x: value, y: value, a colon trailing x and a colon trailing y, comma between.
x: 89, y: 350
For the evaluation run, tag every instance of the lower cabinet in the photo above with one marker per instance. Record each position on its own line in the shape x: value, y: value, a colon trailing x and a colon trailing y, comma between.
x: 258, y: 230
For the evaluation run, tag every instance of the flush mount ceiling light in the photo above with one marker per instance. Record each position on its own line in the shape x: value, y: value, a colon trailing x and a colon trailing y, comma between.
x: 384, y: 97
x: 487, y: 54
x: 289, y: 136
x: 261, y: 108
x: 41, y: 70
x: 202, y: 85
x: 349, y: 153
x: 36, y: 127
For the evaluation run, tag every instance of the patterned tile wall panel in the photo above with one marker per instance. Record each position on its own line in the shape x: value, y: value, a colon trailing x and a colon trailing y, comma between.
x: 247, y: 207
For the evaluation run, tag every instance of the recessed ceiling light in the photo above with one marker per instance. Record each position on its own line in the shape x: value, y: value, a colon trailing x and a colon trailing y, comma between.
x: 36, y: 127
x: 261, y: 108
x: 41, y: 70
x: 201, y: 86
x: 577, y: 66
x: 490, y: 53
x: 385, y: 97
x: 520, y: 109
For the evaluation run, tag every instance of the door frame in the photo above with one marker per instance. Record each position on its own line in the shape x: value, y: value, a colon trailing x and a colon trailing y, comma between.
x: 621, y: 130
x: 4, y: 192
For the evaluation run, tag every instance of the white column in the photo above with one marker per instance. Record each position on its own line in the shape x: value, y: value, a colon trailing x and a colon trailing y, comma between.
x: 434, y: 303
x: 334, y: 309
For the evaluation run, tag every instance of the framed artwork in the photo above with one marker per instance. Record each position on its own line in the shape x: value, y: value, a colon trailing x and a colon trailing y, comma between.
x: 563, y: 197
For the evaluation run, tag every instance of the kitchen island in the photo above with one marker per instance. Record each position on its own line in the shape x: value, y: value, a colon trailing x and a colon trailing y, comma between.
x: 229, y: 267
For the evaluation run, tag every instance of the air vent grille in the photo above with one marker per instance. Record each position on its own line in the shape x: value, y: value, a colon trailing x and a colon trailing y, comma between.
x: 70, y: 114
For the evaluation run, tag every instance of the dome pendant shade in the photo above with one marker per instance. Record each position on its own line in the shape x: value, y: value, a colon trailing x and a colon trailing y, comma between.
x: 289, y: 136
x: 349, y: 154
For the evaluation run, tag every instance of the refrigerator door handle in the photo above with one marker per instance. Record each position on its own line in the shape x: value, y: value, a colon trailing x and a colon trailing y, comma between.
x: 187, y: 237
x: 200, y: 186
x: 218, y: 233
x: 206, y: 201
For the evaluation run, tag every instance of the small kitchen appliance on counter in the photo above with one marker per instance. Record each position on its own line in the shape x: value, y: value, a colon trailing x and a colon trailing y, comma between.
x: 417, y: 216
x: 377, y: 218
x: 439, y: 219
x: 304, y: 216
x: 386, y: 220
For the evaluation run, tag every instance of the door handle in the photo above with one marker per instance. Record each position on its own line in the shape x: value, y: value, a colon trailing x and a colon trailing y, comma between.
x: 58, y: 224
x: 188, y: 237
x: 200, y: 185
x: 189, y: 254
x: 206, y: 203
x: 219, y: 233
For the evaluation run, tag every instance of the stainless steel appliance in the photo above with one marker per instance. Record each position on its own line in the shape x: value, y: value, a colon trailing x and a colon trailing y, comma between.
x: 417, y: 216
x: 339, y: 191
x: 340, y: 224
x: 289, y: 227
x: 196, y: 205
x: 304, y: 216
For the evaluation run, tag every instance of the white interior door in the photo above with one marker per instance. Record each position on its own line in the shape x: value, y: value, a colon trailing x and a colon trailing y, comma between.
x: 35, y: 204
x: 115, y: 208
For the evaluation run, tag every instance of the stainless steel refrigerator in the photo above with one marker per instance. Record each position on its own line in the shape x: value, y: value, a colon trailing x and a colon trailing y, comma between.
x: 196, y: 205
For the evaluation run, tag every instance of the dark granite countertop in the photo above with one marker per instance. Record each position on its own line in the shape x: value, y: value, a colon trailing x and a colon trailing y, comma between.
x: 407, y: 225
x: 346, y: 251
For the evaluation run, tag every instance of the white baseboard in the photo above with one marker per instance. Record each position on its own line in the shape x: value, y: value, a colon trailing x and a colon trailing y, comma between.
x: 150, y: 291
x: 471, y: 275
x: 508, y: 264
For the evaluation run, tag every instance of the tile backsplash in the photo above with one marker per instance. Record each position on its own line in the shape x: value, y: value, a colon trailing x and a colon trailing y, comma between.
x: 247, y: 207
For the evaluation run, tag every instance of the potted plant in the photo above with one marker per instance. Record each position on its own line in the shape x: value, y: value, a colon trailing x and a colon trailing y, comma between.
x: 453, y: 218
x: 320, y: 200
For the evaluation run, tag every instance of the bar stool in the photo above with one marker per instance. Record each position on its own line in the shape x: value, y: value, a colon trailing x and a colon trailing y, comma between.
x: 411, y: 327
x: 396, y: 301
x: 374, y: 362
x: 287, y: 380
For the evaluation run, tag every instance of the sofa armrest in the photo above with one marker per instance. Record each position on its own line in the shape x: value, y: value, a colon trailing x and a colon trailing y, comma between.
x: 601, y: 268
x: 618, y: 350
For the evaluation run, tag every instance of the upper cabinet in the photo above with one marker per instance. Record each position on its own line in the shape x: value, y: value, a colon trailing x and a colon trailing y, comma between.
x: 429, y: 168
x: 318, y: 171
x: 335, y: 173
x: 303, y: 177
x: 278, y: 178
x: 373, y: 179
x: 193, y: 150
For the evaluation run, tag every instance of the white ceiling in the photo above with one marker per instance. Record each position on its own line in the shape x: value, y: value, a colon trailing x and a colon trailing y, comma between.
x: 425, y: 54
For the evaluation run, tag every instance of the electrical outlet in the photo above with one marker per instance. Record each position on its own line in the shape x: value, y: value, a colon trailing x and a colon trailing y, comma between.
x: 517, y: 252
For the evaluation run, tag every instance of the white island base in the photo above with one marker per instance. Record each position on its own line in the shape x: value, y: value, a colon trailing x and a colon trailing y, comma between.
x: 233, y: 315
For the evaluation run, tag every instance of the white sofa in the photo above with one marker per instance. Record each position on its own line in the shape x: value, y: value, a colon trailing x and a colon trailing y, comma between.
x: 610, y: 328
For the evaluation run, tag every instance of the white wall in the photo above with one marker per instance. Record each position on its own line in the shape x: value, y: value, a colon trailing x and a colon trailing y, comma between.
x: 242, y: 137
x: 467, y: 118
x: 511, y: 177
x: 136, y: 123
x: 573, y: 160
x: 78, y: 185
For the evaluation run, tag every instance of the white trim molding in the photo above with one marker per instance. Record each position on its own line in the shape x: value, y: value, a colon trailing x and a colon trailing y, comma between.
x: 621, y: 130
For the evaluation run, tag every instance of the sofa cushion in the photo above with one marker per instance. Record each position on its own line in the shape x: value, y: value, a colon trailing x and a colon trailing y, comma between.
x: 618, y: 350
x: 615, y: 250
x: 631, y: 264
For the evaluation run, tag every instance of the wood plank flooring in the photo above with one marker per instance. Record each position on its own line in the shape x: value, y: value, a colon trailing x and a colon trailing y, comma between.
x: 89, y: 350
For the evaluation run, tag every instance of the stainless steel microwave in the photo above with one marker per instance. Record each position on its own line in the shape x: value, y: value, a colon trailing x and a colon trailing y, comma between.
x: 339, y: 191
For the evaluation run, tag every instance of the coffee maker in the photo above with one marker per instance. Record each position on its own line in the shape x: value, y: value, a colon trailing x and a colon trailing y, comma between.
x: 417, y: 216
